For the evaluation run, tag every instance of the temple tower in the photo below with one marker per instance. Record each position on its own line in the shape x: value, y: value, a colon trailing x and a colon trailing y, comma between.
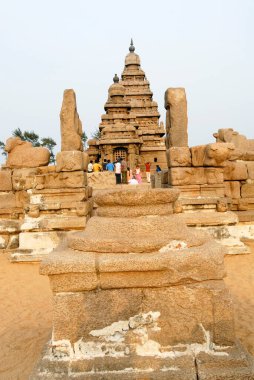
x: 130, y: 128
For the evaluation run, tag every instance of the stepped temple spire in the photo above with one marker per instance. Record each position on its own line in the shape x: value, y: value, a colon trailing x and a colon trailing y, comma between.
x: 130, y: 128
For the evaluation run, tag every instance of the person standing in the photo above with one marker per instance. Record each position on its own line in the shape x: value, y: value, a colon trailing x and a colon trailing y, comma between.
x: 158, y: 169
x: 124, y: 171
x: 148, y: 171
x: 97, y: 166
x: 118, y: 172
x: 90, y: 167
x: 104, y: 164
x: 138, y: 174
x: 110, y: 166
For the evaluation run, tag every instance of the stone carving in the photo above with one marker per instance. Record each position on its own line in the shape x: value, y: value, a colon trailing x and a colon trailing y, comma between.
x: 228, y: 135
x: 212, y: 154
x: 22, y: 154
x: 176, y: 119
x: 71, y: 126
x: 71, y: 161
x: 178, y: 156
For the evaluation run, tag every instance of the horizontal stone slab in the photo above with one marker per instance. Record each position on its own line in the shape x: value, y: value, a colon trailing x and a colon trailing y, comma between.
x: 209, y: 218
x: 147, y: 234
x: 132, y: 197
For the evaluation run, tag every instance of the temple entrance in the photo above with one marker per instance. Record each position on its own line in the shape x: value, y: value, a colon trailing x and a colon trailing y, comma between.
x: 120, y: 153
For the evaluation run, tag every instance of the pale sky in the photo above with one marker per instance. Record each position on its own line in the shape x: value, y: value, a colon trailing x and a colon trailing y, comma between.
x: 205, y: 46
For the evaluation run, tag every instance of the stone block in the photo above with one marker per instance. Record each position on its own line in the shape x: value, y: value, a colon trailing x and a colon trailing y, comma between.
x: 217, y: 190
x: 178, y: 156
x: 195, y: 176
x: 89, y: 315
x: 130, y: 211
x: 61, y: 180
x: 70, y: 161
x: 250, y: 168
x: 4, y: 240
x: 9, y: 226
x: 75, y: 315
x: 232, y: 189
x: 54, y: 222
x: 176, y: 119
x: 187, y: 191
x: 232, y: 363
x: 198, y: 155
x: 235, y: 171
x: 22, y: 179
x: 5, y: 180
x: 247, y: 190
x: 13, y: 200
x: 38, y: 240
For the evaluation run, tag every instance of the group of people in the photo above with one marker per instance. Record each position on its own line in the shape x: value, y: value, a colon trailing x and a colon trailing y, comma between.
x: 123, y: 173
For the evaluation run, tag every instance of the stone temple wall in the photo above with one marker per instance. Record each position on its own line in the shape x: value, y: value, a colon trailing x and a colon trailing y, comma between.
x: 39, y: 204
x: 212, y: 177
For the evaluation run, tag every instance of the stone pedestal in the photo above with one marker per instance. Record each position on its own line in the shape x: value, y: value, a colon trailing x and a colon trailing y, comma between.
x: 140, y: 296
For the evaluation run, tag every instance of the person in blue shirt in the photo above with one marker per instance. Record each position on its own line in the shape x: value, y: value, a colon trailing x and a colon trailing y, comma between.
x: 158, y: 169
x: 110, y: 166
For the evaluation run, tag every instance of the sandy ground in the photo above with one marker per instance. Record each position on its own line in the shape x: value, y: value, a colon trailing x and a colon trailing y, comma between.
x: 26, y: 311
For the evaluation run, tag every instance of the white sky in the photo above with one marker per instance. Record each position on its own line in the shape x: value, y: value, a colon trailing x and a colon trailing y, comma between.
x: 47, y: 46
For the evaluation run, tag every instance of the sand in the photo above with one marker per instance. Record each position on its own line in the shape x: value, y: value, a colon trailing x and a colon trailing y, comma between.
x: 26, y: 311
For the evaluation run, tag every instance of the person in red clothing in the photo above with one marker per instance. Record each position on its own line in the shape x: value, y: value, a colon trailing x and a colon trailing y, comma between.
x: 148, y: 170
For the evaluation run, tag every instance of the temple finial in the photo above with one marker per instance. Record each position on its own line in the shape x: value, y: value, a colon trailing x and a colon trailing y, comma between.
x: 131, y: 48
x: 116, y: 79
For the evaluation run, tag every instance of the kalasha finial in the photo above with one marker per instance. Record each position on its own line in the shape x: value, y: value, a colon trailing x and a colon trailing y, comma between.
x: 116, y: 79
x: 132, y: 48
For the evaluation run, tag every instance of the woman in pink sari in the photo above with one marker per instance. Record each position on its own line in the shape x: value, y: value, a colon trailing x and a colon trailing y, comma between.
x: 138, y: 174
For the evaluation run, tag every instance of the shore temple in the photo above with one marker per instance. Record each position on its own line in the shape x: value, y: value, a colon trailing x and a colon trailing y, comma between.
x: 130, y: 128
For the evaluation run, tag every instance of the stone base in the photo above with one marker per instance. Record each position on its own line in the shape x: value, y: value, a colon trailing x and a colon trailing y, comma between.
x: 188, y: 362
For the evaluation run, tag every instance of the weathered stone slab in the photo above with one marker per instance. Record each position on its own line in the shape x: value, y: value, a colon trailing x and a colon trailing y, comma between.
x: 69, y: 161
x: 38, y: 240
x: 217, y: 190
x: 232, y: 189
x: 22, y: 179
x: 247, y: 190
x: 250, y: 168
x: 71, y: 126
x: 5, y: 180
x: 209, y: 218
x: 176, y: 120
x: 195, y: 176
x: 60, y: 180
x: 13, y: 200
x: 235, y: 171
x: 178, y: 156
x: 131, y: 211
x: 54, y: 222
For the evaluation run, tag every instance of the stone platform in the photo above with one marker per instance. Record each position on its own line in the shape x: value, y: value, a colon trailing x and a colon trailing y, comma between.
x: 140, y: 296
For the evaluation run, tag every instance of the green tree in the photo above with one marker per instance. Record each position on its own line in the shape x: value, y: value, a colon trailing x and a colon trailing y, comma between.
x: 97, y: 134
x: 49, y: 143
x: 2, y: 145
x: 84, y: 139
x: 30, y: 136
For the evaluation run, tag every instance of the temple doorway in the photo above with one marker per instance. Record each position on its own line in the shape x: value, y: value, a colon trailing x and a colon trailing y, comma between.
x: 120, y: 153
